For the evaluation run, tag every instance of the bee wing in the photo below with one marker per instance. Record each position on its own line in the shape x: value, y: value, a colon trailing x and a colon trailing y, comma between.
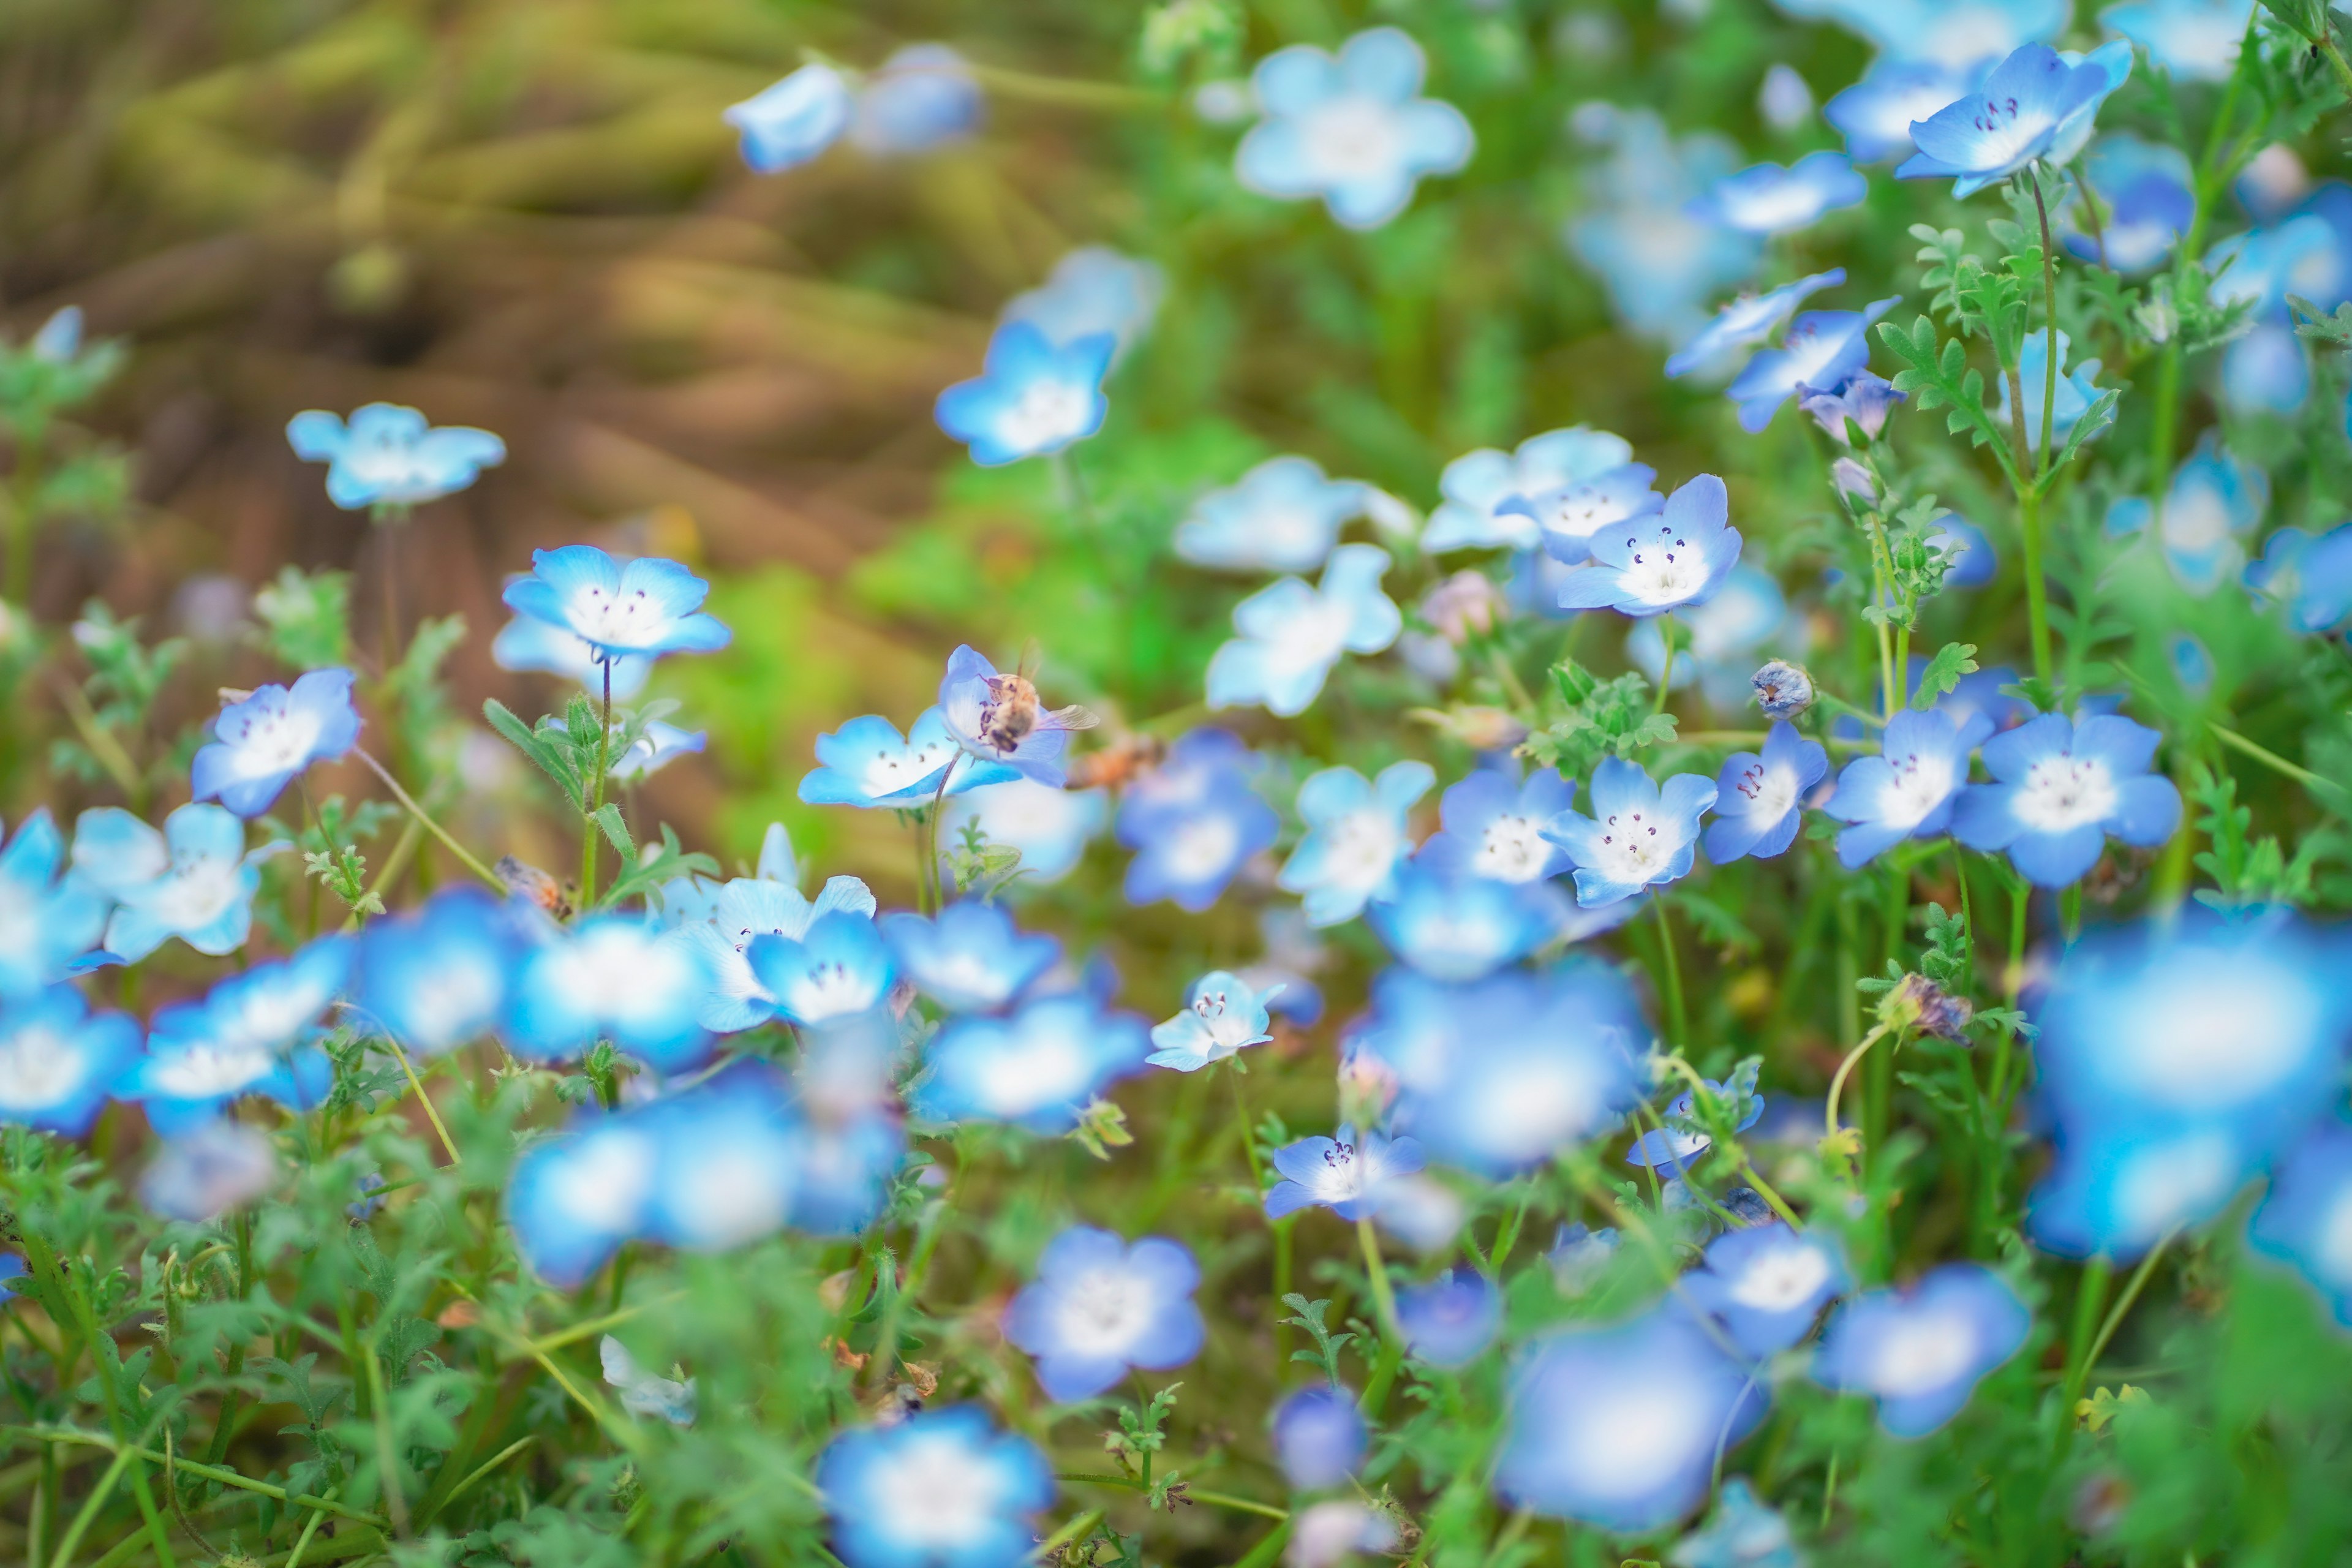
x: 1033, y: 656
x: 1073, y: 717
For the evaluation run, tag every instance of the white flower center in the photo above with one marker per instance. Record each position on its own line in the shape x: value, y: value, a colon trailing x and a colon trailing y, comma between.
x: 2171, y: 1183
x: 1920, y: 784
x: 194, y: 894
x: 38, y: 1067
x: 2061, y: 792
x: 1665, y: 569
x: 1352, y: 138
x: 616, y: 619
x: 1226, y: 1028
x: 1783, y: 203
x: 1049, y: 413
x: 887, y: 772
x: 828, y: 990
x: 1103, y: 1311
x: 203, y: 1072
x: 276, y: 739
x: 1581, y: 511
x: 1766, y: 793
x: 933, y: 1496
x: 2196, y: 519
x: 1343, y: 1174
x: 603, y: 1184
x: 453, y: 999
x: 1629, y: 1436
x: 1631, y: 847
x: 1921, y: 1353
x: 1782, y: 1279
x: 1512, y: 849
x: 1363, y: 848
x: 1201, y: 848
x: 1030, y: 1071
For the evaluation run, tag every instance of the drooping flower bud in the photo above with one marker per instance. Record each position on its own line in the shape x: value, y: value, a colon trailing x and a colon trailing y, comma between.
x: 1783, y: 690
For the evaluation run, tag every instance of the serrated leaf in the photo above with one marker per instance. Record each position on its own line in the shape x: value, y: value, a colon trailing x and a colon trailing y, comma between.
x: 555, y: 763
x: 1943, y: 673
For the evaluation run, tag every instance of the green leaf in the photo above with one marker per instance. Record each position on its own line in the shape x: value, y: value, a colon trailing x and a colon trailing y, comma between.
x: 1952, y: 660
x: 553, y: 761
x: 617, y: 832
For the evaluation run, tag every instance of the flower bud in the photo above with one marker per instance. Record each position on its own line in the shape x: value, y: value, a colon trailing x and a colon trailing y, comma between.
x: 1783, y: 690
x: 1852, y: 479
x: 1920, y: 1004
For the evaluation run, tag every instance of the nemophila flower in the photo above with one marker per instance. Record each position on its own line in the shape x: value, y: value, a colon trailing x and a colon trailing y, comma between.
x: 845, y: 1173
x: 1491, y: 497
x: 1656, y: 565
x: 1492, y: 824
x: 1579, y: 1255
x: 1351, y: 128
x: 1620, y: 1427
x: 248, y: 1036
x: 1660, y: 264
x: 526, y: 642
x: 1782, y: 99
x: 1683, y: 1138
x: 1051, y: 827
x: 615, y: 977
x: 1356, y: 833
x: 219, y: 1166
x: 641, y: 1393
x: 2122, y: 1183
x: 1033, y: 396
x: 790, y: 122
x: 1765, y: 198
x: 1342, y: 1173
x: 1336, y: 1530
x: 924, y: 96
x: 1638, y: 837
x: 575, y: 1197
x: 1099, y: 1306
x: 2035, y: 107
x: 2192, y: 666
x: 1715, y: 641
x: 2310, y: 578
x: 1570, y: 516
x: 1921, y: 1352
x: 1223, y: 1016
x: 838, y: 966
x: 1862, y: 402
x: 46, y: 922
x: 1292, y: 635
x: 194, y: 880
x: 941, y: 1488
x: 1456, y: 925
x: 1910, y: 789
x: 2147, y: 197
x: 436, y: 978
x: 646, y: 606
x: 867, y: 763
x: 659, y: 745
x: 264, y: 741
x: 1820, y: 349
x: 1760, y: 797
x: 1093, y: 288
x: 1741, y: 1534
x: 970, y: 959
x: 2305, y: 251
x: 1765, y: 1284
x: 2060, y: 789
x: 727, y: 1159
x: 59, y: 1061
x: 997, y: 719
x: 387, y: 455
x: 1751, y: 318
x: 1283, y: 515
x: 2305, y: 1219
x: 2194, y: 40
x: 12, y: 1269
x: 1319, y: 1438
x: 1964, y: 544
x: 1037, y: 1067
x: 1940, y: 31
x: 743, y: 912
x: 1194, y: 821
x: 2214, y: 499
x: 1875, y: 114
x: 1450, y: 1320
x: 2075, y: 392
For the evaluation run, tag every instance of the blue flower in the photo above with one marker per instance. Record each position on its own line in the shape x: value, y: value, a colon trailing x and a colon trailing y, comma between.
x: 648, y: 606
x: 1092, y: 290
x: 12, y: 1269
x: 1032, y: 396
x: 1099, y: 1307
x: 1717, y: 641
x: 2307, y: 252
x: 1964, y: 544
x: 1342, y: 1173
x: 388, y: 457
x: 1450, y: 1321
x: 528, y: 643
x: 1921, y: 1352
x: 575, y: 1197
x: 1353, y: 130
x: 266, y: 739
x: 248, y: 1036
x: 970, y: 959
x: 1909, y: 790
x: 2191, y: 665
x: 941, y: 1488
x: 1569, y: 516
x: 840, y: 966
x: 1223, y: 1016
x: 659, y: 745
x: 1759, y: 799
x: 1579, y: 1255
x: 1319, y: 1438
x: 2074, y: 398
x: 1677, y: 1144
x: 998, y: 719
x: 615, y: 977
x: 1050, y: 827
x: 641, y: 1393
x: 1743, y: 1533
x: 1766, y: 1283
x: 1769, y: 199
x: 1938, y: 30
x: 59, y: 1061
x: 2122, y: 1183
x: 790, y: 122
x: 1751, y: 318
x: 2062, y: 789
x: 1660, y: 264
x: 1356, y: 833
x: 1655, y: 566
x: 1456, y: 925
x: 1620, y: 1427
x: 2195, y: 40
x: 2311, y: 577
x: 2214, y: 498
x: 1283, y: 515
x: 1637, y: 835
x: 1291, y: 635
x: 728, y: 1161
x: 2307, y: 1216
x: 1821, y: 349
x: 867, y: 763
x: 846, y: 1168
x: 1492, y: 826
x: 740, y: 913
x: 2147, y: 195
x: 193, y: 880
x: 1495, y: 498
x: 1860, y: 401
x: 436, y: 978
x: 924, y: 96
x: 199, y: 1177
x: 1875, y: 114
x: 1037, y: 1068
x: 1194, y: 821
x: 45, y: 922
x: 2034, y: 105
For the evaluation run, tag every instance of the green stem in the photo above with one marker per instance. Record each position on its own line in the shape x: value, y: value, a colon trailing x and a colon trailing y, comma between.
x: 1844, y: 1071
x: 2090, y: 1294
x: 1242, y: 1115
x: 589, y: 832
x: 1671, y: 968
x: 2335, y: 57
x: 2037, y: 591
x: 1666, y: 670
x: 1376, y: 1268
x: 2049, y: 320
x: 1282, y: 1268
x: 408, y: 803
x: 2132, y: 1289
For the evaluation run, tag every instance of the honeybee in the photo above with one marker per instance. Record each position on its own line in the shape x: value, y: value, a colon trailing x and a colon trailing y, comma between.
x: 1126, y: 757
x: 526, y: 881
x: 1013, y: 712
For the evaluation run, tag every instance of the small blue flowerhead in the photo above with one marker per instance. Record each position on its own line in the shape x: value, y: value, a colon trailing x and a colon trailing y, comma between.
x: 1660, y: 264
x: 1860, y: 403
x: 1760, y: 797
x: 1921, y: 1352
x: 615, y: 977
x: 1224, y: 1015
x: 943, y: 1489
x: 1319, y: 1438
x: 727, y: 1159
x: 2194, y: 40
x: 2062, y: 789
x: 1939, y: 31
x: 2310, y: 578
x: 2306, y: 1217
x: 924, y: 96
x: 1743, y: 1533
x: 742, y: 912
x: 2122, y: 1181
x: 46, y: 922
x: 248, y: 1036
x: 262, y: 742
x: 1751, y: 318
x: 1964, y: 544
x: 1453, y: 925
x: 2147, y: 195
x: 2076, y: 394
x: 2034, y: 105
x: 1092, y: 290
x: 1353, y: 129
x: 528, y: 642
x: 1450, y: 1321
x: 1507, y: 498
x: 193, y: 880
x: 12, y: 1269
x: 1769, y: 199
x: 792, y: 122
x: 1099, y: 1307
x: 839, y: 967
x: 1292, y: 635
x: 388, y: 457
x: 997, y: 719
x: 203, y: 1175
x: 575, y: 1197
x: 1039, y: 1068
x: 2215, y: 499
x: 1875, y: 114
x: 1766, y: 1283
x: 1283, y: 515
x: 436, y: 978
x: 1684, y: 1137
x: 1194, y: 821
x: 867, y: 763
x: 1032, y: 397
x: 648, y: 606
x: 59, y: 1061
x: 1491, y: 826
x: 1908, y: 790
x: 1342, y: 1173
x: 641, y: 1393
x: 1638, y: 837
x: 970, y: 959
x: 1356, y: 835
x: 1821, y: 349
x: 1658, y: 564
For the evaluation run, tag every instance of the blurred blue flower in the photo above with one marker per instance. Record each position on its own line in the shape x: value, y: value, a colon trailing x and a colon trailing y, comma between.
x: 2147, y: 196
x: 1194, y: 821
x: 1222, y: 1016
x: 250, y: 1035
x: 641, y: 1393
x: 2307, y: 252
x: 2036, y: 105
x: 1353, y: 129
x: 59, y: 1061
x: 1638, y: 837
x: 1682, y: 1138
x: 997, y: 719
x: 1962, y: 542
x: 575, y: 1197
x: 727, y: 1159
x: 1660, y: 264
x: 1716, y: 640
x: 1909, y: 790
x: 193, y: 880
x: 1092, y: 290
x: 1356, y: 835
x: 1821, y: 349
x: 2195, y: 40
x: 200, y: 1176
x: 1741, y: 1534
x: 1765, y: 198
x: 1766, y: 1283
x: 265, y: 739
x: 735, y: 997
x: 1654, y: 565
x: 1492, y: 824
x: 1938, y: 30
x: 617, y: 977
x: 1458, y: 925
x: 46, y: 922
x: 1292, y: 635
x: 2215, y: 497
x: 1450, y: 1321
x: 436, y: 978
x: 647, y: 606
x: 2310, y: 576
x: 1760, y: 797
x: 659, y: 745
x: 2074, y: 398
x: 1099, y: 1306
x: 2060, y: 789
x: 1050, y: 827
x: 845, y: 1171
x: 1751, y: 318
x: 1569, y: 516
x: 941, y: 1488
x: 867, y: 763
x: 970, y: 959
x: 792, y: 122
x: 1922, y: 1351
x: 1032, y: 397
x: 12, y: 1269
x: 924, y: 96
x: 2305, y: 1219
x: 388, y: 457
x: 1502, y: 499
x: 526, y: 642
x: 2191, y: 665
x: 1620, y: 1427
x: 1037, y: 1068
x: 1283, y: 515
x: 1579, y: 1254
x: 2122, y: 1183
x: 1319, y: 1438
x: 58, y: 340
x: 1862, y: 401
x: 1342, y: 1173
x: 838, y: 966
x: 1875, y: 114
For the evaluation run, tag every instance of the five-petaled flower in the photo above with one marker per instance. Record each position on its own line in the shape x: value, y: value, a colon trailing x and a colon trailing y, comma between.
x: 1655, y: 565
x: 388, y: 457
x: 1638, y: 836
x: 1353, y: 129
x: 1225, y: 1015
x: 263, y: 740
x: 1292, y: 635
x: 647, y: 606
x: 2061, y: 788
x: 1032, y: 396
x: 1099, y: 1307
